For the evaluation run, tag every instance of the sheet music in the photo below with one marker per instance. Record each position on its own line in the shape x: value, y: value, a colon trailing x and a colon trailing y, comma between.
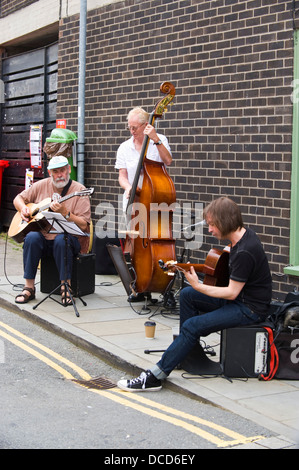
x: 59, y: 224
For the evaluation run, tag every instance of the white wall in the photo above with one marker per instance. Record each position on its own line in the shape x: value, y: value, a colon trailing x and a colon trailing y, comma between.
x: 40, y: 15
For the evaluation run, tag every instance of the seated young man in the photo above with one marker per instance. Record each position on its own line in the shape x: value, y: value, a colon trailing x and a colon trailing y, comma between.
x: 205, y: 309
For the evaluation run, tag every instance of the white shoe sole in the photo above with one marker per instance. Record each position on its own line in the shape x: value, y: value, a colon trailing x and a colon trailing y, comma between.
x: 122, y: 384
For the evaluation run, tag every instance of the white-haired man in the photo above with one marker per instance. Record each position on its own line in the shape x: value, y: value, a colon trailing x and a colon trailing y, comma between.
x: 40, y: 243
x: 128, y: 155
x: 129, y: 151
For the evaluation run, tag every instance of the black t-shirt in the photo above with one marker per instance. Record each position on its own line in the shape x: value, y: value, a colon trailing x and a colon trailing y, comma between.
x: 248, y: 263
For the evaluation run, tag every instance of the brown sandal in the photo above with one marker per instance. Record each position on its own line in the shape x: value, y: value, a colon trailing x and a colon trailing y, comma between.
x: 65, y: 297
x: 26, y: 297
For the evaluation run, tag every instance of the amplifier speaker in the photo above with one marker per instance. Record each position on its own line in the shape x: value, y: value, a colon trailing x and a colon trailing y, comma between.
x: 104, y: 263
x: 244, y: 352
x: 83, y: 275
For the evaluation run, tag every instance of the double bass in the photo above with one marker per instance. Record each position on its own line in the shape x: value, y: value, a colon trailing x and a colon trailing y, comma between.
x: 149, y: 213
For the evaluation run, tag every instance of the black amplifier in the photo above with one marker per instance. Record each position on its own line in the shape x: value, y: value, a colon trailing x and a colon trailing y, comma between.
x: 83, y: 275
x: 244, y: 351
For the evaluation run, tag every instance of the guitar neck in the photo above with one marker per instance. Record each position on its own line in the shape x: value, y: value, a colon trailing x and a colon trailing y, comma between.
x: 46, y: 206
x: 199, y: 268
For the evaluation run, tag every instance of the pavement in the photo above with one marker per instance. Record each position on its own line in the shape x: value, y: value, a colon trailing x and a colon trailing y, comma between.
x: 114, y: 330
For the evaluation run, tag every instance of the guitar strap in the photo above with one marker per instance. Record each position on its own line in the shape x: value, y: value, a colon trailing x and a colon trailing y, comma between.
x: 66, y: 188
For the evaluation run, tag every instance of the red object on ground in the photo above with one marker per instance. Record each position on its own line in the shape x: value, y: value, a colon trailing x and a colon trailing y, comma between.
x: 3, y: 164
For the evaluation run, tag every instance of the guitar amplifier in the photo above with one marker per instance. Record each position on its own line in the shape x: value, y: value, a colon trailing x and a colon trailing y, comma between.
x: 103, y: 260
x: 244, y: 351
x: 83, y: 275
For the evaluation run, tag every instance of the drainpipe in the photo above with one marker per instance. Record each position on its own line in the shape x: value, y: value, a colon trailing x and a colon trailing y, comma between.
x: 293, y: 269
x: 81, y: 93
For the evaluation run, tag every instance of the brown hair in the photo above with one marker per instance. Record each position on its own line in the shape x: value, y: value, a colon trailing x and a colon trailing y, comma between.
x: 225, y: 214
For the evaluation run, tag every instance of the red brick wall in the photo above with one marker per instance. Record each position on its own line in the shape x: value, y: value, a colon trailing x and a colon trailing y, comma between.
x: 230, y: 126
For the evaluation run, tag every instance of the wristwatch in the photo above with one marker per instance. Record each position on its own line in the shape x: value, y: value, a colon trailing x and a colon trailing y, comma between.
x: 158, y: 143
x: 68, y: 215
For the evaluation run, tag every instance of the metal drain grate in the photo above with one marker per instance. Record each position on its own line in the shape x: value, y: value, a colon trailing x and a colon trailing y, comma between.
x: 99, y: 383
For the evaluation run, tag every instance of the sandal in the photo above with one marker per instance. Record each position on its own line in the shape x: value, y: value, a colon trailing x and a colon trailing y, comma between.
x: 26, y: 297
x: 65, y: 297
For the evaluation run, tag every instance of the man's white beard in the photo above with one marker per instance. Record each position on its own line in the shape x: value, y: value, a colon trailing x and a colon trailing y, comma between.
x: 60, y: 184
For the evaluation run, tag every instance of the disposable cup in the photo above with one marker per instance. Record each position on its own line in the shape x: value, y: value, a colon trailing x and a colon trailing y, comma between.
x: 150, y: 327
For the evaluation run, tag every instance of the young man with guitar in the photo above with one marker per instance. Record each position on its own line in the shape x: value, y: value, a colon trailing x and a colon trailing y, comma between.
x: 60, y: 194
x: 205, y: 308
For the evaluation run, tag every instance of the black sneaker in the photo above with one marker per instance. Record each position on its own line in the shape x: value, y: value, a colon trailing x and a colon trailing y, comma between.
x: 146, y: 382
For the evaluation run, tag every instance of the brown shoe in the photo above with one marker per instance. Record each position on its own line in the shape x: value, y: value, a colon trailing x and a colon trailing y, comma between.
x: 26, y: 297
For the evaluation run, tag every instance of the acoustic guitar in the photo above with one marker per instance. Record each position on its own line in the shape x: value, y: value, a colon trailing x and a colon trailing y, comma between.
x: 19, y: 228
x: 215, y: 267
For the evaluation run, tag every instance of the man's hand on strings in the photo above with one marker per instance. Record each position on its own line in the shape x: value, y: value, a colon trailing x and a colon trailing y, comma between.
x: 192, y: 277
x: 128, y: 192
x: 55, y: 206
x: 150, y: 131
x: 25, y: 213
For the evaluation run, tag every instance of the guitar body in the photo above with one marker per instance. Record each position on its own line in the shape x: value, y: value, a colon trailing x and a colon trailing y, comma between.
x: 217, y: 263
x: 19, y: 228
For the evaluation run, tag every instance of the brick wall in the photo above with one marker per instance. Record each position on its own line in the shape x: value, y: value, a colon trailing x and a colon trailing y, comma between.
x: 230, y: 126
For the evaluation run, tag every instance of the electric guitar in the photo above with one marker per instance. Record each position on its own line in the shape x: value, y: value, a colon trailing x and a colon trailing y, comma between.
x: 19, y: 228
x: 215, y: 267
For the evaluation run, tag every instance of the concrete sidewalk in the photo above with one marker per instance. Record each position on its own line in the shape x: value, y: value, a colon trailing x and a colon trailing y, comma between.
x: 110, y: 327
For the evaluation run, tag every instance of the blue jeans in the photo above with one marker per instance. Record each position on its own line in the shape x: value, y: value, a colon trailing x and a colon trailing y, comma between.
x: 35, y: 246
x: 201, y: 315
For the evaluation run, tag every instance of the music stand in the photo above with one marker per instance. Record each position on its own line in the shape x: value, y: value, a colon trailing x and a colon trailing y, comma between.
x: 60, y: 225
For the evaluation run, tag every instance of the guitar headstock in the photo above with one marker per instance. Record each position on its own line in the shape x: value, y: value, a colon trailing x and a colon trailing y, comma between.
x: 85, y: 192
x: 168, y: 265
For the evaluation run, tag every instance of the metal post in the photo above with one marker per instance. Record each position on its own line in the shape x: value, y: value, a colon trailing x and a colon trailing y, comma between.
x: 81, y: 93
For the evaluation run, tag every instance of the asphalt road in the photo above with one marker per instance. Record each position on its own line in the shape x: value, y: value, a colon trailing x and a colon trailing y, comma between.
x: 43, y: 408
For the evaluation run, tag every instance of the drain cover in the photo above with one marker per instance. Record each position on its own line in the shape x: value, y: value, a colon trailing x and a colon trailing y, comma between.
x: 99, y: 383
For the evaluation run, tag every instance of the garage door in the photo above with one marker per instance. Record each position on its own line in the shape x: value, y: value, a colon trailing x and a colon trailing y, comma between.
x: 30, y: 87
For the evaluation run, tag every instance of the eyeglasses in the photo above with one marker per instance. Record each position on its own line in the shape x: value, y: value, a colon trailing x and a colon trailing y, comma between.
x: 134, y: 128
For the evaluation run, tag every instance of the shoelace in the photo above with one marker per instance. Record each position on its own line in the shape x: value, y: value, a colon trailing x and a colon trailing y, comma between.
x: 141, y: 379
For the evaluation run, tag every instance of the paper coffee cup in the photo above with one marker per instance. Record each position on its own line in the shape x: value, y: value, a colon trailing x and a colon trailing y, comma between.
x: 150, y: 327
